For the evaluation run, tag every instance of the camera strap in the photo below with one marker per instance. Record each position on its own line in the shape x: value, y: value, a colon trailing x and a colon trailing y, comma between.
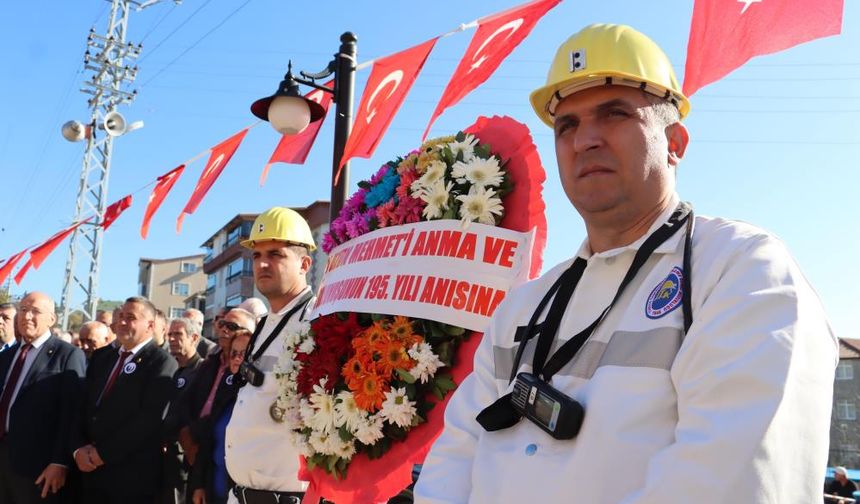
x: 501, y: 414
x: 300, y: 306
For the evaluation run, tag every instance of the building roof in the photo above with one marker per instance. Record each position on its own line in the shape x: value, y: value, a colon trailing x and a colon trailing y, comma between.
x: 171, y: 259
x: 307, y: 212
x: 849, y: 348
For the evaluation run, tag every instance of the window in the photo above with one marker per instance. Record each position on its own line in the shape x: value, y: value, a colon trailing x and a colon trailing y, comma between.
x: 179, y: 289
x: 234, y: 269
x: 846, y: 410
x: 234, y: 301
x: 209, y: 253
x: 188, y: 267
x: 141, y: 291
x: 211, y: 281
x: 845, y: 371
x: 176, y: 312
x: 233, y: 236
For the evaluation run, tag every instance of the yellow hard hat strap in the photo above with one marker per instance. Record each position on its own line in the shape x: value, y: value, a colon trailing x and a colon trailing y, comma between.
x: 581, y: 85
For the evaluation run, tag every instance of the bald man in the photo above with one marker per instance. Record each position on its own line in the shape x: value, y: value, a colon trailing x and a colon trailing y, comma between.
x: 95, y: 335
x: 41, y: 379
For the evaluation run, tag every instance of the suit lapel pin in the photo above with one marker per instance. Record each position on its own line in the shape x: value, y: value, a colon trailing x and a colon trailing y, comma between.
x: 129, y: 368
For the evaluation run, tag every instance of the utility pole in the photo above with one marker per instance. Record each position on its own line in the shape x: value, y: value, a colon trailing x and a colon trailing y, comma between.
x: 106, y: 60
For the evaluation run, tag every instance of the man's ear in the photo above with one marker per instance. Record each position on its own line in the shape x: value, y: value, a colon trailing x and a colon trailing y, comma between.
x: 678, y: 138
x: 306, y: 264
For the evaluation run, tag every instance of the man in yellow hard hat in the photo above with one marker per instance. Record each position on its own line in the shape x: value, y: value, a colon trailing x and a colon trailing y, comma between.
x: 259, y: 455
x: 673, y: 359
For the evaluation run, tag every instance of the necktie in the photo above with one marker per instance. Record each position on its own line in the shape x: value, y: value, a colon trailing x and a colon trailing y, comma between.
x: 123, y: 355
x: 11, y: 383
x: 210, y: 400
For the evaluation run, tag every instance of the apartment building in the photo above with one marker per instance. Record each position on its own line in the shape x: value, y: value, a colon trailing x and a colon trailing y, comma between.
x: 168, y: 283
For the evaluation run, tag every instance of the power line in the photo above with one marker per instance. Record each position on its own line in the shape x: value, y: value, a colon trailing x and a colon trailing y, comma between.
x: 158, y: 22
x: 192, y: 46
x: 183, y: 23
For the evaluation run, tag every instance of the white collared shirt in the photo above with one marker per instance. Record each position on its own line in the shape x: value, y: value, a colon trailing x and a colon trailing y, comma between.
x: 258, y: 450
x: 28, y: 362
x: 735, y: 410
x: 120, y: 349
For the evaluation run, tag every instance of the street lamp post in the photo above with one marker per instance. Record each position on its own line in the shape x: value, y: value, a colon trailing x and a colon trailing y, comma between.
x: 289, y: 112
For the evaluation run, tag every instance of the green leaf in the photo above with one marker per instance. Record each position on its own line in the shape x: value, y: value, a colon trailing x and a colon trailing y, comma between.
x: 453, y: 330
x: 460, y: 136
x: 405, y: 375
x: 364, y: 184
x: 344, y: 434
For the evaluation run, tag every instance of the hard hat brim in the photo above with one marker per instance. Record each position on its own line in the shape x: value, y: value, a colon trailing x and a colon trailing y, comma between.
x: 249, y: 244
x: 542, y: 97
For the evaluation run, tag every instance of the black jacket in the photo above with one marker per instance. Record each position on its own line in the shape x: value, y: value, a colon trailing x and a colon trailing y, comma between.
x: 41, y: 418
x: 126, y: 426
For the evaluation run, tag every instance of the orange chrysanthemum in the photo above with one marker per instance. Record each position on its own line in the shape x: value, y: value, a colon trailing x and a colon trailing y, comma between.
x: 393, y: 356
x: 370, y: 338
x: 371, y: 392
x: 353, y: 371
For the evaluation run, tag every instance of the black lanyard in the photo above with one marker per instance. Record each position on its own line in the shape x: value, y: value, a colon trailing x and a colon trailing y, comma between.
x: 300, y: 305
x: 562, y: 291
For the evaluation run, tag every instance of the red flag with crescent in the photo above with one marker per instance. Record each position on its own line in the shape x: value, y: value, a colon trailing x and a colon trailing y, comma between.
x: 40, y: 253
x: 294, y: 149
x: 162, y: 186
x: 114, y: 211
x: 497, y: 36
x: 219, y: 158
x: 6, y: 268
x: 724, y: 35
x: 386, y: 88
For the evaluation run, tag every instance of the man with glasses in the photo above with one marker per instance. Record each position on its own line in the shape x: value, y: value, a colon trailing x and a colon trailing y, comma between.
x: 202, y: 390
x: 40, y: 379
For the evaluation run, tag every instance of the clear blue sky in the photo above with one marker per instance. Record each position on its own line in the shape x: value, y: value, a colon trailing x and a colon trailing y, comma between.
x: 776, y: 143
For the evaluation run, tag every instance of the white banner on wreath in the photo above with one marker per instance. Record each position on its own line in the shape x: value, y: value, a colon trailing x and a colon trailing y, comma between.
x: 433, y: 270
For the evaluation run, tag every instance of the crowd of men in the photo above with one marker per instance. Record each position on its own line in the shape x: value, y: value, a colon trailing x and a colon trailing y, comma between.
x: 674, y: 358
x: 120, y: 412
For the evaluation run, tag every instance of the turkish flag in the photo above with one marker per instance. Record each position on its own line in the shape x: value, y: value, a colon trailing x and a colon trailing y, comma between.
x: 724, y: 35
x: 162, y: 186
x: 40, y: 253
x: 294, y: 149
x: 10, y: 263
x: 496, y: 37
x: 386, y: 88
x: 114, y: 211
x: 23, y: 271
x: 219, y: 158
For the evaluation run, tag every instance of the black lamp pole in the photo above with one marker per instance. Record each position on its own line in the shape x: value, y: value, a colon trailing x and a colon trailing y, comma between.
x: 343, y: 94
x: 343, y: 68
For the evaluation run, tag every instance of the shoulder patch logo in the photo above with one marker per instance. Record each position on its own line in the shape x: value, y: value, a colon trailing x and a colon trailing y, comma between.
x: 666, y: 296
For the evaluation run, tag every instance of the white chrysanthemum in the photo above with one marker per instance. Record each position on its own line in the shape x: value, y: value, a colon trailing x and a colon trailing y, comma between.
x: 322, y: 418
x: 467, y: 147
x: 478, y: 172
x: 479, y: 205
x: 341, y: 448
x: 436, y: 197
x: 307, y: 346
x: 397, y: 408
x: 427, y: 362
x: 369, y: 430
x: 323, y: 442
x: 435, y: 171
x: 347, y: 412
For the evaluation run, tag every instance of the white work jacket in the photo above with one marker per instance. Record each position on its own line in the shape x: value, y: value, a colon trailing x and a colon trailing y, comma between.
x: 258, y: 450
x: 735, y: 411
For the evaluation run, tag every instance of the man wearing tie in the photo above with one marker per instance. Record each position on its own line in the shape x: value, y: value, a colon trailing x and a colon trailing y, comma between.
x: 7, y: 326
x: 118, y: 447
x: 41, y: 379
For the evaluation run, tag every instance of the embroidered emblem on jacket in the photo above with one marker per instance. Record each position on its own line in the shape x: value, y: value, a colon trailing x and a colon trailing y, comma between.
x: 666, y: 296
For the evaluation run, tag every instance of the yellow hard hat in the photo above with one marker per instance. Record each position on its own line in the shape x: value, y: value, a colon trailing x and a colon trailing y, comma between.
x: 606, y: 54
x: 282, y: 224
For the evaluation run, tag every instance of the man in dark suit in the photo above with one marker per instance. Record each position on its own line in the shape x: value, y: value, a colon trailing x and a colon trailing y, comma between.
x: 41, y: 379
x: 118, y: 444
x: 7, y: 326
